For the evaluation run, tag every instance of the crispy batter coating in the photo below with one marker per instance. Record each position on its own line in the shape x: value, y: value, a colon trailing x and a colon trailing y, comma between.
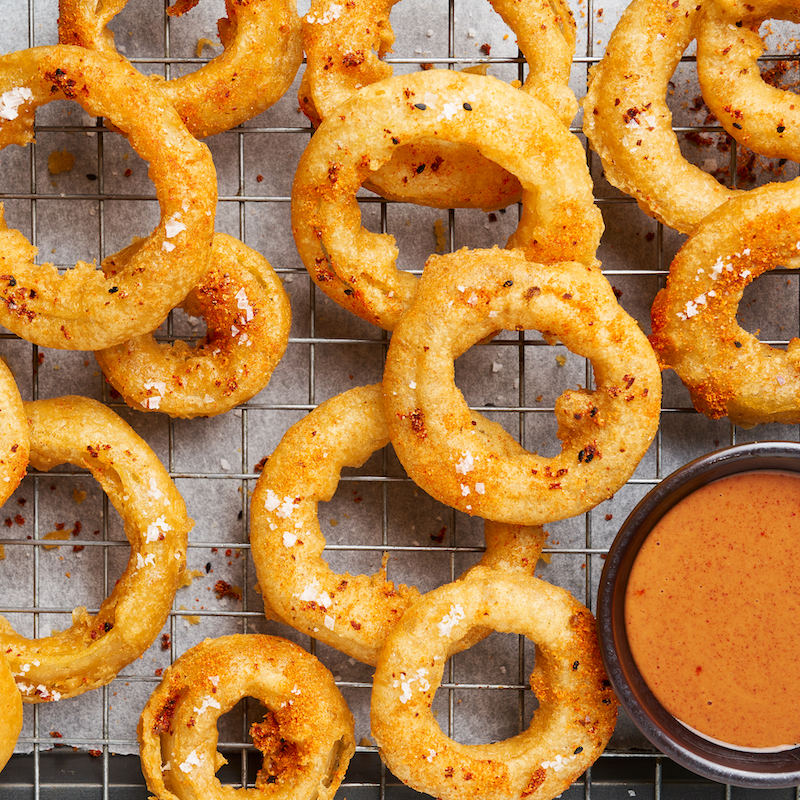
x: 83, y: 432
x: 10, y: 712
x: 727, y: 370
x: 263, y: 51
x: 577, y: 708
x: 474, y: 465
x: 306, y: 735
x: 133, y: 291
x: 248, y: 318
x: 345, y: 44
x: 762, y: 117
x: 357, y: 268
x: 628, y: 122
x: 14, y: 435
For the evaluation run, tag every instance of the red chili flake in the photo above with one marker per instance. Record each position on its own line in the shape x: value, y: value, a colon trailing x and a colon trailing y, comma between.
x: 261, y: 464
x: 259, y: 178
x: 224, y: 589
x: 95, y: 753
x: 76, y: 548
x: 60, y: 526
x: 166, y: 641
x: 128, y: 172
x: 486, y: 49
x: 8, y: 522
x: 19, y: 519
x: 159, y: 672
x: 439, y: 537
x: 40, y: 358
x: 56, y: 735
x: 21, y: 501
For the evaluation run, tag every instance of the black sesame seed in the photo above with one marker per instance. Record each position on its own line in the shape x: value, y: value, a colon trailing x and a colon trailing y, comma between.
x: 782, y: 161
x: 467, y: 107
x: 606, y: 701
x: 589, y: 456
x: 272, y: 779
x: 593, y: 411
x: 91, y: 176
x: 738, y: 344
x: 348, y: 291
x: 420, y: 106
x: 577, y: 750
x: 12, y: 281
x: 208, y: 567
x: 739, y: 24
x: 581, y: 455
x: 113, y: 289
x: 575, y: 665
x: 737, y: 126
x: 107, y: 626
x: 420, y: 168
x: 781, y: 128
x: 508, y: 283
x: 395, y: 140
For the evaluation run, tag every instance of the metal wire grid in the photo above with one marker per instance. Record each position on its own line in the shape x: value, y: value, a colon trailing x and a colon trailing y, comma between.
x: 627, y: 769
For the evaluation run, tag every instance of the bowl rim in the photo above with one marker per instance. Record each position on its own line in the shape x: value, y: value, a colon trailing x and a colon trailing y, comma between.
x: 704, y: 757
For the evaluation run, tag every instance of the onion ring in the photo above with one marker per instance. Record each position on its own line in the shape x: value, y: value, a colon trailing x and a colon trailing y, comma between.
x: 727, y: 370
x: 629, y: 125
x: 10, y: 713
x: 356, y: 267
x: 352, y: 613
x: 86, y: 308
x: 344, y: 45
x: 14, y: 435
x: 263, y: 51
x: 764, y: 118
x: 472, y: 464
x: 577, y: 708
x: 248, y: 317
x: 306, y: 736
x: 89, y: 654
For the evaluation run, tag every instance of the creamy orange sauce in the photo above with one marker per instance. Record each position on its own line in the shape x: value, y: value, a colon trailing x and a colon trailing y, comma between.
x: 712, y: 610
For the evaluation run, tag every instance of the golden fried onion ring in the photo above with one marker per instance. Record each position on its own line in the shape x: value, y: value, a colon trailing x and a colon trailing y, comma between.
x: 14, y: 435
x: 764, y: 118
x: 263, y: 51
x: 629, y: 125
x: 352, y: 613
x: 10, y: 712
x: 577, y: 708
x: 356, y: 267
x: 248, y: 318
x: 472, y: 464
x: 83, y: 432
x: 306, y: 735
x: 86, y: 308
x: 727, y: 370
x: 344, y: 45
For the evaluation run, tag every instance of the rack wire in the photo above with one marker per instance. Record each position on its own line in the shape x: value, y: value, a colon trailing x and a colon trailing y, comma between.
x: 86, y: 747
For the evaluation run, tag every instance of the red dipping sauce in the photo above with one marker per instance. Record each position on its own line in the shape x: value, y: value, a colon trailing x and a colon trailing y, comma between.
x: 712, y: 610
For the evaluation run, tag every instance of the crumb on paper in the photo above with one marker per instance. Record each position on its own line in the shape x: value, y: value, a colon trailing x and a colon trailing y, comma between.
x: 202, y: 43
x: 441, y: 239
x: 59, y: 535
x: 60, y: 161
x: 561, y: 360
x: 188, y: 576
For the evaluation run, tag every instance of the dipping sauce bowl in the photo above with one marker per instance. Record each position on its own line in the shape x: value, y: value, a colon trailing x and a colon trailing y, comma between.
x: 697, y: 582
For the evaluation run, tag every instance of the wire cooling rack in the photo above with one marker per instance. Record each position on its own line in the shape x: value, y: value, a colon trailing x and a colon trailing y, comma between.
x: 86, y: 747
